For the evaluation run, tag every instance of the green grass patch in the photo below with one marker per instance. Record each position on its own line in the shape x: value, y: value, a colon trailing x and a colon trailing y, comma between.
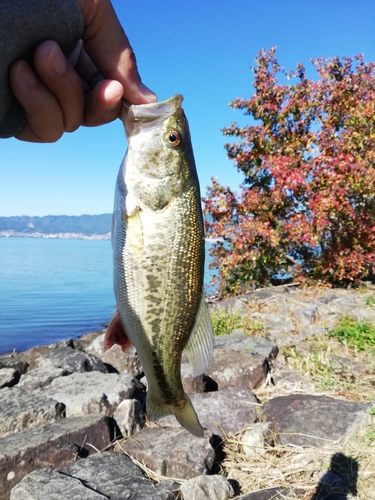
x: 225, y: 321
x: 370, y: 301
x: 357, y: 334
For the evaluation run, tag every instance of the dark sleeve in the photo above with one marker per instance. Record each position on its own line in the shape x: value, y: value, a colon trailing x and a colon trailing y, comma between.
x: 24, y: 24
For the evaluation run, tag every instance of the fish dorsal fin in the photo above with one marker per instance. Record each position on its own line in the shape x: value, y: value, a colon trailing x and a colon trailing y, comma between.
x: 199, y: 347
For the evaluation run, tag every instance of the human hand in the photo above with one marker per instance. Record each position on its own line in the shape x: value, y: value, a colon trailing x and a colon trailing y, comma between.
x: 59, y: 94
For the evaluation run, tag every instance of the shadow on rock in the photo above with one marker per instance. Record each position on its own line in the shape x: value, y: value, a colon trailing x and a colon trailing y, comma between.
x: 339, y: 481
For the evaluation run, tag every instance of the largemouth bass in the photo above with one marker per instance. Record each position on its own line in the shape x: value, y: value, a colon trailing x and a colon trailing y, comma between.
x: 158, y: 255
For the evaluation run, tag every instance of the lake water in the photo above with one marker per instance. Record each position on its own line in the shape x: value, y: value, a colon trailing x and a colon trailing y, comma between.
x: 54, y: 289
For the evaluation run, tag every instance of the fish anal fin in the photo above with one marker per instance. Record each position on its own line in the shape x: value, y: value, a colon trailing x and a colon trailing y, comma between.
x: 185, y: 413
x: 155, y: 408
x: 199, y: 348
x: 116, y: 334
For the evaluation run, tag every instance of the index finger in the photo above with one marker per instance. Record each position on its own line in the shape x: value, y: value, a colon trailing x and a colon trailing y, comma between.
x: 108, y: 46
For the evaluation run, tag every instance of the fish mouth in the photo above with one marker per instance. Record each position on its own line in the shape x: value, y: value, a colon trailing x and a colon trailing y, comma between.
x: 152, y: 111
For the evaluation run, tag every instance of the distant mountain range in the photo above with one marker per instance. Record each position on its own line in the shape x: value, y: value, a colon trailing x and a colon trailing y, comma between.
x: 57, y: 226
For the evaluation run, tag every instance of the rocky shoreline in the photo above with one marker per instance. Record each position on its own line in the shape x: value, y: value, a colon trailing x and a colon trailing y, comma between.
x: 72, y: 421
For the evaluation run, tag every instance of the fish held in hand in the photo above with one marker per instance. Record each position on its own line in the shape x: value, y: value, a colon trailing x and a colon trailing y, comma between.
x: 158, y: 255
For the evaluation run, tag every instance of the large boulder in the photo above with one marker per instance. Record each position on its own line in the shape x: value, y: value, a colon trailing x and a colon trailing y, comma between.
x: 72, y: 361
x: 38, y: 378
x: 171, y: 452
x: 101, y: 477
x: 93, y: 392
x: 309, y: 420
x: 239, y: 341
x: 53, y: 445
x: 21, y: 410
x: 123, y: 362
x: 207, y: 488
x: 237, y: 368
x: 8, y: 377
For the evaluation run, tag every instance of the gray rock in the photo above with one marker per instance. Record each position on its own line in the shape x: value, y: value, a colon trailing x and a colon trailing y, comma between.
x: 309, y: 420
x: 326, y: 299
x: 129, y: 416
x: 346, y: 305
x: 171, y: 452
x: 283, y: 290
x: 123, y: 362
x: 83, y: 342
x: 348, y: 366
x: 53, y: 445
x: 8, y: 377
x: 277, y: 493
x: 232, y: 303
x: 20, y: 410
x: 261, y: 295
x: 313, y: 331
x: 118, y: 478
x: 191, y: 383
x: 362, y: 313
x: 32, y: 356
x: 52, y: 485
x: 288, y: 380
x: 13, y: 360
x: 237, y: 368
x: 93, y: 392
x: 72, y: 361
x: 279, y: 322
x: 254, y: 438
x: 286, y: 339
x: 225, y: 411
x: 40, y: 377
x: 305, y: 315
x: 207, y: 488
x: 255, y: 345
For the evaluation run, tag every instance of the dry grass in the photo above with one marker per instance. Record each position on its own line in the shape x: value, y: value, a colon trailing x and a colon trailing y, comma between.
x: 301, y: 468
x: 335, y: 369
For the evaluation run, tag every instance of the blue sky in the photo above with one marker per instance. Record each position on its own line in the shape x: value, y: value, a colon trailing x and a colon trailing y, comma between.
x: 202, y: 50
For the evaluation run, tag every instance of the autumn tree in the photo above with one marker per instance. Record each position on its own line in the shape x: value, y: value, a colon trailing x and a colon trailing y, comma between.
x: 306, y: 208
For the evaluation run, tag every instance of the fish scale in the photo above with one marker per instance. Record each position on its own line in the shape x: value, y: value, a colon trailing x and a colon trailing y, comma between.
x: 158, y: 250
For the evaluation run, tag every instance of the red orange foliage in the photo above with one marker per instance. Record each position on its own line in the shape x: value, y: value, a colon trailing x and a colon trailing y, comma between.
x: 307, y: 205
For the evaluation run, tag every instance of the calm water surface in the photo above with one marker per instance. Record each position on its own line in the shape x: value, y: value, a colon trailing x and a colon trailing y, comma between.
x: 53, y: 289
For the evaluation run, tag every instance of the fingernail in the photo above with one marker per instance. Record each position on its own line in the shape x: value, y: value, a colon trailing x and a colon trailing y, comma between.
x: 56, y: 61
x: 113, y: 94
x: 25, y: 73
x: 148, y: 94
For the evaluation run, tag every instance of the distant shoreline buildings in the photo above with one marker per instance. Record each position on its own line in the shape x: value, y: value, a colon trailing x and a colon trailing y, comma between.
x: 63, y: 236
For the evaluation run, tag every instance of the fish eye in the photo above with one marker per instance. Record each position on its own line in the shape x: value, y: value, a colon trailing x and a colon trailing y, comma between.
x: 174, y: 138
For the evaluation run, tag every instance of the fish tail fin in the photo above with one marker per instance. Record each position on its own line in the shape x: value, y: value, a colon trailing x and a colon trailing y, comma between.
x: 186, y: 415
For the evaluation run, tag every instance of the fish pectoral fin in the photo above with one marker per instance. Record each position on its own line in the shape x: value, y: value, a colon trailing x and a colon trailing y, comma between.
x: 134, y: 231
x: 116, y: 334
x: 199, y: 347
x: 185, y: 414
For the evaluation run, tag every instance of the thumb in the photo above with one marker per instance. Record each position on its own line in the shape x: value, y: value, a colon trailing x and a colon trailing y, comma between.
x: 109, y: 48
